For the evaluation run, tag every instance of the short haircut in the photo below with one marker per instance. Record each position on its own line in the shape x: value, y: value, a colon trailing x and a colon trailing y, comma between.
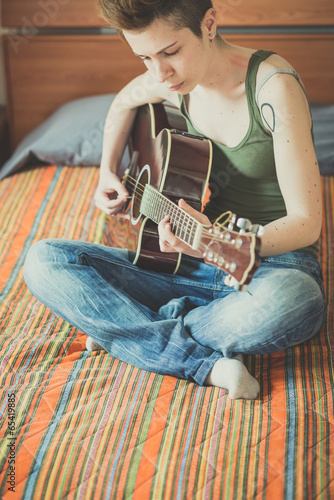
x: 137, y: 15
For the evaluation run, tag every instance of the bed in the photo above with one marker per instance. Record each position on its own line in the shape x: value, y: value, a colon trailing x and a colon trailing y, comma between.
x: 83, y: 425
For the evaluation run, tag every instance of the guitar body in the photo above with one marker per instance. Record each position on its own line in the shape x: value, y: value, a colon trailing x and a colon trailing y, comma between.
x: 179, y: 165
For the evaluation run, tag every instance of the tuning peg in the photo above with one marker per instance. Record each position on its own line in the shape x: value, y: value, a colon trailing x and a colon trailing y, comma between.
x: 240, y: 288
x: 257, y: 229
x: 232, y: 222
x: 244, y: 225
x: 229, y: 280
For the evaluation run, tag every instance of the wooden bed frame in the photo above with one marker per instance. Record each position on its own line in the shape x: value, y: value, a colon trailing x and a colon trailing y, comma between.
x: 43, y: 71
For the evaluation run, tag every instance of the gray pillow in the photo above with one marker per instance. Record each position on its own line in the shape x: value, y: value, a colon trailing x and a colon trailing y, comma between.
x: 323, y: 129
x: 72, y: 135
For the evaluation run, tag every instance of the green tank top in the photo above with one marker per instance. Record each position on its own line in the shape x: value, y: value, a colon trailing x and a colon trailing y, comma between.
x: 243, y: 178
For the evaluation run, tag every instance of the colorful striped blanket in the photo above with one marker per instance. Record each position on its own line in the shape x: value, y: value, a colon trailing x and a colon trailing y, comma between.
x: 83, y: 425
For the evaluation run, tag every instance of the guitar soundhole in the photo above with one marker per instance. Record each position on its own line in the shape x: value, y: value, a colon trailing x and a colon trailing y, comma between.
x: 143, y: 179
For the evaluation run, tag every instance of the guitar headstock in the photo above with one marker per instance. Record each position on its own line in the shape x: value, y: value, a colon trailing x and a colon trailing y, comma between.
x: 235, y: 252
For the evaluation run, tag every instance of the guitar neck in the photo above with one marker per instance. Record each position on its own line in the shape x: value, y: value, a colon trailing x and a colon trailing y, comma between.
x: 156, y: 206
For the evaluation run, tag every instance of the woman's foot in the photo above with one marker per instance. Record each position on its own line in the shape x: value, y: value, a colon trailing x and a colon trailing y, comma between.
x: 231, y: 374
x: 92, y: 345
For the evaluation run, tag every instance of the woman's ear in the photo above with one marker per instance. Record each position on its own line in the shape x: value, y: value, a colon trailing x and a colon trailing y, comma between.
x: 209, y: 23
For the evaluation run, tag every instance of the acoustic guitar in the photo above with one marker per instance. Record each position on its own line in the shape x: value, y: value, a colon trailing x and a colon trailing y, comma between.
x: 168, y: 163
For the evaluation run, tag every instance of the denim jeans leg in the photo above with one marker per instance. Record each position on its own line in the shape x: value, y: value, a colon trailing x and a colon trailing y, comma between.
x: 88, y: 286
x: 283, y: 307
x: 178, y: 325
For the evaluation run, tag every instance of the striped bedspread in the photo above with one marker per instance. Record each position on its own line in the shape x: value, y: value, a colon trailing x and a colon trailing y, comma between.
x: 80, y: 425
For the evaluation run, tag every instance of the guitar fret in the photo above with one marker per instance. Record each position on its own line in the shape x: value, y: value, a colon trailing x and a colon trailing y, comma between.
x: 165, y: 207
x: 181, y: 226
x: 179, y: 215
x: 173, y: 219
x: 179, y: 229
x: 154, y: 205
x: 187, y: 232
x: 186, y: 229
x: 184, y: 224
x: 191, y: 233
x: 160, y: 214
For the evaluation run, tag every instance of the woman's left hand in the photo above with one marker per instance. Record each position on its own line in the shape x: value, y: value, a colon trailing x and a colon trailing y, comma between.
x: 169, y: 242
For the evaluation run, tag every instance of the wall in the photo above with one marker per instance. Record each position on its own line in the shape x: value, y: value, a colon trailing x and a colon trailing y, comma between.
x: 2, y: 69
x: 235, y: 16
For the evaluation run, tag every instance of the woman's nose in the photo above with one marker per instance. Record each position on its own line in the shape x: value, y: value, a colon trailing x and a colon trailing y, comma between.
x: 162, y: 71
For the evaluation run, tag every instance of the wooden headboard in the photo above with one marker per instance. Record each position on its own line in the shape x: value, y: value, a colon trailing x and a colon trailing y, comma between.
x: 83, y: 13
x: 47, y: 63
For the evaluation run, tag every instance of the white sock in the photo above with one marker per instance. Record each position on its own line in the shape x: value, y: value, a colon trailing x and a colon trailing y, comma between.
x: 92, y: 345
x: 231, y: 374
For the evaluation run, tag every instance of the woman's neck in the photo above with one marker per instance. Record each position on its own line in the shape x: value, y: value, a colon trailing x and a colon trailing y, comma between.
x: 226, y: 70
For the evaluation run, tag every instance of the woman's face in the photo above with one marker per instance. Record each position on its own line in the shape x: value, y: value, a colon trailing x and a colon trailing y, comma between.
x: 176, y: 58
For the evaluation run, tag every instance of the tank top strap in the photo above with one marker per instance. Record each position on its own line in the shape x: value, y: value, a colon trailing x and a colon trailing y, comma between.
x: 250, y: 83
x: 274, y: 72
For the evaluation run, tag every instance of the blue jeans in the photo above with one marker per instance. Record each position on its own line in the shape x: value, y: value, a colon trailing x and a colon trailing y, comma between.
x: 179, y: 324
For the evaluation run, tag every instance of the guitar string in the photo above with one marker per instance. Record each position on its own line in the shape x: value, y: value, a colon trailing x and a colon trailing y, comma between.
x: 177, y: 213
x: 228, y: 214
x: 187, y: 232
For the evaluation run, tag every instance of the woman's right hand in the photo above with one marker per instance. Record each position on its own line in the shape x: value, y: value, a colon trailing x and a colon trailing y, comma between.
x: 110, y: 194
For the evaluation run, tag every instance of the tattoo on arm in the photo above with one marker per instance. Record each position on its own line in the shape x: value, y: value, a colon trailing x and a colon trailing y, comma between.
x: 270, y: 120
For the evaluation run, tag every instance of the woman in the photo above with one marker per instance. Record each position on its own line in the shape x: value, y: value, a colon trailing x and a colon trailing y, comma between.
x: 252, y: 106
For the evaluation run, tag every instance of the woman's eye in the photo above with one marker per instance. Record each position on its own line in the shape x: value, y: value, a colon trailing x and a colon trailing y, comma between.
x: 167, y: 54
x: 172, y: 53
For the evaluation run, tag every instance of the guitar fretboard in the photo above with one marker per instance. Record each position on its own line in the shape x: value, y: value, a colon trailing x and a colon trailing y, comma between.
x: 156, y: 206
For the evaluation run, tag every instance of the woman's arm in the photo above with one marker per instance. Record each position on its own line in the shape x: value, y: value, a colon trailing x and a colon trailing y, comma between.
x: 110, y: 193
x: 285, y: 109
